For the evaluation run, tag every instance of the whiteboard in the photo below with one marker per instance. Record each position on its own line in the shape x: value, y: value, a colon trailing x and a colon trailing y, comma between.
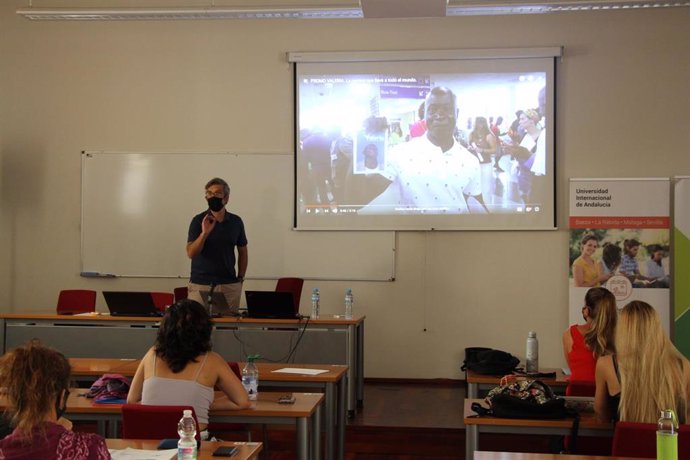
x: 136, y: 210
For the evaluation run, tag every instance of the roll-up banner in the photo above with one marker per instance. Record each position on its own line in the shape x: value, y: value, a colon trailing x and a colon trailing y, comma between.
x: 681, y: 264
x: 620, y: 239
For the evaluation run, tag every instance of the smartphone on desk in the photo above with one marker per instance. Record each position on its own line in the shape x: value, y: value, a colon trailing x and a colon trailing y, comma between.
x: 225, y: 451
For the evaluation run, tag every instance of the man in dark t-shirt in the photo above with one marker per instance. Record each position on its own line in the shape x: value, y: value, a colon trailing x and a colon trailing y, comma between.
x: 211, y: 241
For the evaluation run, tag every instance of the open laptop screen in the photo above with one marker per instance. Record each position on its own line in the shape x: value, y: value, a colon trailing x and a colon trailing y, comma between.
x: 270, y: 304
x: 128, y: 303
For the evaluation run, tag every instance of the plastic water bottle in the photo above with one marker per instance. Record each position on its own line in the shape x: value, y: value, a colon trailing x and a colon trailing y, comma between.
x: 667, y: 436
x: 349, y: 300
x: 186, y: 428
x: 250, y: 378
x: 315, y: 299
x: 532, y: 354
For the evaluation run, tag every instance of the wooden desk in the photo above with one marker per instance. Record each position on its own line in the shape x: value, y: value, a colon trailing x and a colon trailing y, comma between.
x: 331, y: 383
x: 305, y: 413
x: 474, y: 425
x: 245, y: 450
x: 327, y: 340
x: 477, y: 382
x: 525, y: 456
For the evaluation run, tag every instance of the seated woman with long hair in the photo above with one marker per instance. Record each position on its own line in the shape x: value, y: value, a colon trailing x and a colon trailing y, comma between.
x: 181, y: 369
x: 646, y: 375
x: 36, y: 381
x: 584, y: 343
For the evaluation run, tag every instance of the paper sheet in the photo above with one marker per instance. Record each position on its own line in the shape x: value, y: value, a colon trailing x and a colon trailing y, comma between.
x: 141, y: 454
x: 297, y: 370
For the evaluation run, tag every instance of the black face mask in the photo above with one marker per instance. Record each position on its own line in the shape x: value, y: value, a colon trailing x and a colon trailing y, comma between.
x: 215, y: 203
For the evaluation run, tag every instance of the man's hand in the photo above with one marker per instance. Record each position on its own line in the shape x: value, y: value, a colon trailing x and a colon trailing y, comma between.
x: 207, y: 224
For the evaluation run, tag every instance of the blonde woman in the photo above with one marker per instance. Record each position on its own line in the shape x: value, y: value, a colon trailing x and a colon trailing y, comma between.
x: 646, y: 374
x: 584, y: 343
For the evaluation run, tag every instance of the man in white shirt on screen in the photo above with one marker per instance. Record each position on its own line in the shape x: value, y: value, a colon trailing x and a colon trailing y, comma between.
x: 432, y: 173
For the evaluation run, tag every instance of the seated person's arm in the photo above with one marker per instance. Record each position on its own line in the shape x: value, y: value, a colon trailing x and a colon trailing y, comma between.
x: 136, y: 389
x: 567, y: 345
x: 601, y: 395
x: 235, y: 396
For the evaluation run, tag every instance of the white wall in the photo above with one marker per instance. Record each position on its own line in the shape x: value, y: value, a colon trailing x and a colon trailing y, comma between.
x: 623, y: 90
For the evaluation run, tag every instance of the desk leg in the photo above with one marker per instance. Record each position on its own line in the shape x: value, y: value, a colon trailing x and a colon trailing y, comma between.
x: 329, y: 397
x: 360, y: 364
x: 114, y: 429
x: 472, y: 390
x: 342, y: 397
x: 352, y: 370
x: 302, y: 438
x: 471, y: 441
x: 316, y: 434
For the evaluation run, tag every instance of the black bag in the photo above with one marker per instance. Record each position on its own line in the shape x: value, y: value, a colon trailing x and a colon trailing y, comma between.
x: 526, y: 399
x: 489, y: 361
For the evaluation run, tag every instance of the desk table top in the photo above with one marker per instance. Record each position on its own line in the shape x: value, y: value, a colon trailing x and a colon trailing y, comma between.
x: 267, y: 371
x: 245, y: 450
x: 333, y: 320
x: 560, y: 380
x: 267, y: 405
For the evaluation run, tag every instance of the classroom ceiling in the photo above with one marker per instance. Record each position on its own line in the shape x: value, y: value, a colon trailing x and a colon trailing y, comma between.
x: 313, y: 9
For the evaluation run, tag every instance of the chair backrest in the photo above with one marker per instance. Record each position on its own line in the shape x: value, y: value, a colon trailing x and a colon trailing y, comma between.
x: 181, y: 293
x: 293, y: 285
x: 72, y: 301
x: 580, y: 388
x: 639, y: 440
x: 162, y: 299
x: 144, y: 421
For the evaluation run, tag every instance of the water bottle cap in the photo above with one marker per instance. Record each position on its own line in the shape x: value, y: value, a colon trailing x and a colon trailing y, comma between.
x: 315, y: 291
x: 532, y: 334
x: 348, y: 291
x: 187, y: 413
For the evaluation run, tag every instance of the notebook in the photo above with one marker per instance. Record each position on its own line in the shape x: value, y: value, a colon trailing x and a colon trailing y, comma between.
x: 220, y: 304
x: 270, y: 304
x: 125, y: 303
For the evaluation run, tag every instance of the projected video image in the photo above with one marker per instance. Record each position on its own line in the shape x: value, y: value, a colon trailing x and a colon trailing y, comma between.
x: 422, y: 144
x: 425, y: 144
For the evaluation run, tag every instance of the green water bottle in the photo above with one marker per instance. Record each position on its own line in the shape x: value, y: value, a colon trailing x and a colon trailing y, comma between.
x: 667, y: 436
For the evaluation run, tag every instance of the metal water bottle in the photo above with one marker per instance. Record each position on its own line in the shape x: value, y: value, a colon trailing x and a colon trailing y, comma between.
x: 532, y: 354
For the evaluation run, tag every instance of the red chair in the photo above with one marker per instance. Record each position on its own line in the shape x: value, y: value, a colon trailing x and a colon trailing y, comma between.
x: 293, y: 285
x: 73, y: 301
x: 639, y: 440
x: 180, y: 293
x: 162, y: 300
x: 143, y: 421
x: 217, y: 427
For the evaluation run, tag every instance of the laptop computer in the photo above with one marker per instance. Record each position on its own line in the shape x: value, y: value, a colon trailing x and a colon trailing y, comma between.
x: 220, y: 304
x: 270, y: 304
x: 127, y: 303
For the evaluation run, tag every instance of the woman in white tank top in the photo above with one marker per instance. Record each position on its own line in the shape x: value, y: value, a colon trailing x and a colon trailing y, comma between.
x: 181, y: 369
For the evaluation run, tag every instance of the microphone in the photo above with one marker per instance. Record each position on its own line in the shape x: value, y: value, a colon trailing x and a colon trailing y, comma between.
x: 210, y: 299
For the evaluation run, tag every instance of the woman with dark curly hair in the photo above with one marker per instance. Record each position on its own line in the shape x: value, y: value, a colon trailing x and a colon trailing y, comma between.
x: 181, y: 369
x: 36, y: 380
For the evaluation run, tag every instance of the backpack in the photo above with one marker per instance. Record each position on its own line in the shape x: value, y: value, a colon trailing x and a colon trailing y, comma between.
x: 110, y: 388
x: 489, y: 361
